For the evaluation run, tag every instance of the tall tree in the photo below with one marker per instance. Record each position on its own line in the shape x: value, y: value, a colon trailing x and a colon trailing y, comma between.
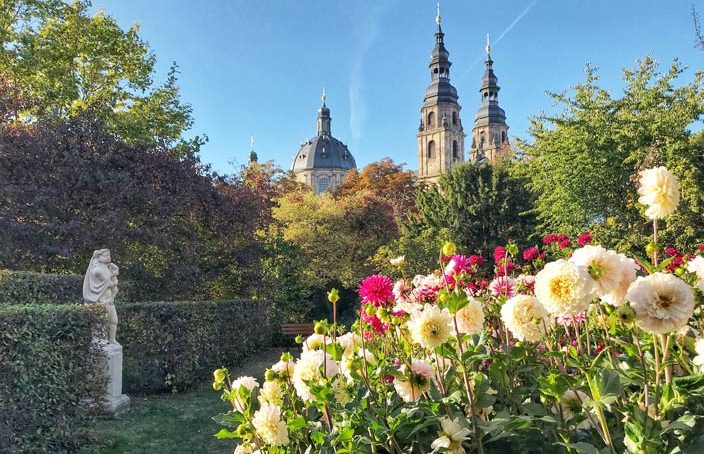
x: 384, y: 179
x: 70, y: 62
x: 582, y: 162
x: 481, y: 205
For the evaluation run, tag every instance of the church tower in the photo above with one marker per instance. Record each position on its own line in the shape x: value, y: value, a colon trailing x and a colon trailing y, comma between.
x: 440, y: 135
x: 490, y: 131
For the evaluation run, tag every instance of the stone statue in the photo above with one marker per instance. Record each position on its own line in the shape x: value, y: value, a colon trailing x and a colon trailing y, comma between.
x: 100, y: 287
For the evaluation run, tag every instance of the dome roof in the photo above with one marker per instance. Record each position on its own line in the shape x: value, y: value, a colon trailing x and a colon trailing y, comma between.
x: 323, y: 152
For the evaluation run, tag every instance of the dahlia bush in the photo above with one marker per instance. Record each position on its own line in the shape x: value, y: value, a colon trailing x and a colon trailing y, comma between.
x: 562, y: 347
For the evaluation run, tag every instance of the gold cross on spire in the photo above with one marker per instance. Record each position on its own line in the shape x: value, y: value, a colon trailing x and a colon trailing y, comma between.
x: 488, y: 45
x: 251, y: 142
x: 324, y: 96
x: 438, y: 19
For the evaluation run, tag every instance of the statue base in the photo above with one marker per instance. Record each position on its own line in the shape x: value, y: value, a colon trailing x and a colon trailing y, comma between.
x: 115, y: 401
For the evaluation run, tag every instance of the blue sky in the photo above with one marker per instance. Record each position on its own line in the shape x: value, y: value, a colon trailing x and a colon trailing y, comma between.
x: 258, y: 67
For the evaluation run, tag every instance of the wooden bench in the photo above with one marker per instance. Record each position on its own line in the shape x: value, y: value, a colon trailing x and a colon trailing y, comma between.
x: 294, y: 329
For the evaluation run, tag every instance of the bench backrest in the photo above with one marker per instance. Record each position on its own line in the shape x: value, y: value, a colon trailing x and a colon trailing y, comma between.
x: 291, y: 329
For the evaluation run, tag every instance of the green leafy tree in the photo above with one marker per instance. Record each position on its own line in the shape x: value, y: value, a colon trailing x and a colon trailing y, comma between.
x: 70, y: 62
x: 481, y: 205
x: 582, y: 162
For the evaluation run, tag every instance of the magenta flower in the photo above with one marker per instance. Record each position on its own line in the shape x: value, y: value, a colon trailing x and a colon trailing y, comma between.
x: 671, y: 251
x: 584, y: 238
x: 567, y: 320
x: 376, y: 289
x: 531, y: 253
x: 457, y: 264
x: 476, y: 260
x: 503, y: 286
x: 499, y: 253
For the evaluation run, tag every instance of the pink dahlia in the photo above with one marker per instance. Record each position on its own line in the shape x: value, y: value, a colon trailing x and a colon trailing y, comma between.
x: 457, y: 264
x: 531, y: 253
x: 550, y: 238
x: 700, y: 248
x: 671, y: 251
x: 503, y: 286
x: 584, y: 238
x: 567, y: 320
x: 476, y: 260
x: 499, y: 254
x: 377, y: 325
x: 376, y: 289
x: 505, y: 268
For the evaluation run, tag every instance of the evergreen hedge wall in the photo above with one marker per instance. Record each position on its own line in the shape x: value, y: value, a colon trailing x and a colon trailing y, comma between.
x: 51, y: 377
x: 175, y: 345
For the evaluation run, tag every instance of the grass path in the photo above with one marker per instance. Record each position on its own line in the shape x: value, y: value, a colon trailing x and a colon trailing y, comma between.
x: 175, y: 423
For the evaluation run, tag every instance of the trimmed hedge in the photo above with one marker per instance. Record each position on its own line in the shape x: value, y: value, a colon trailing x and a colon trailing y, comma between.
x: 28, y: 287
x: 51, y: 378
x: 176, y: 345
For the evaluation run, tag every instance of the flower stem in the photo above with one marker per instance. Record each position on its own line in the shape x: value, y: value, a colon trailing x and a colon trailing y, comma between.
x: 475, y: 424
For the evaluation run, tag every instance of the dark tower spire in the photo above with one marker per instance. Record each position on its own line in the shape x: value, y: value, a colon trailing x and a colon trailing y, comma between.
x: 324, y: 119
x: 252, y: 154
x: 490, y: 131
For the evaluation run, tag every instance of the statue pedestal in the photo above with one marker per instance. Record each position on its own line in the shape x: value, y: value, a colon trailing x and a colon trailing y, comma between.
x: 115, y: 401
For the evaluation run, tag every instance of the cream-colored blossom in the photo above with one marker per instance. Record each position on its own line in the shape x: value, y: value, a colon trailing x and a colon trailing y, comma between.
x: 242, y: 449
x: 696, y: 266
x: 284, y: 369
x: 663, y: 303
x: 525, y: 317
x: 417, y: 380
x: 243, y: 382
x: 430, y: 327
x: 604, y: 267
x: 349, y: 342
x: 659, y: 191
x: 316, y: 342
x: 398, y: 261
x: 470, y: 319
x: 617, y: 297
x: 269, y: 426
x: 271, y: 393
x: 309, y: 369
x: 452, y: 436
x: 564, y: 288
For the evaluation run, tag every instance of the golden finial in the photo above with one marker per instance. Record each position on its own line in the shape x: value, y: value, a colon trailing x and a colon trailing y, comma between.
x: 324, y: 97
x: 438, y: 19
x: 488, y: 45
x: 251, y: 142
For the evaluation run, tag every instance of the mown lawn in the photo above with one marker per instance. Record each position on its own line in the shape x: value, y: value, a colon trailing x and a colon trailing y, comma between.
x: 174, y: 423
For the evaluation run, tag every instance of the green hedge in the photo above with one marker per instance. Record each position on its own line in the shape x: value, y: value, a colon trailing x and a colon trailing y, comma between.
x: 175, y: 345
x: 51, y: 377
x: 27, y: 287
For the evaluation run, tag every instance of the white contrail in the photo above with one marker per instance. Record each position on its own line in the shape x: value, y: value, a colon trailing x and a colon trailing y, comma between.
x: 503, y: 33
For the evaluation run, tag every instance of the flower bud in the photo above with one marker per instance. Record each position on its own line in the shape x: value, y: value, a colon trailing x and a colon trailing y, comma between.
x: 333, y: 296
x: 398, y: 261
x: 320, y: 328
x: 651, y: 249
x: 449, y: 249
x: 286, y: 357
x: 219, y: 375
x: 370, y: 310
x: 269, y: 375
x: 626, y: 314
x: 512, y: 249
x: 217, y: 385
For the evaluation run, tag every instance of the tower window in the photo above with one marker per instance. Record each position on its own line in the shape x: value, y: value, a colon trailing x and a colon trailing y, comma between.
x: 431, y: 149
x: 431, y: 118
x: 323, y: 184
x: 503, y: 136
x: 482, y: 139
x: 454, y: 118
x: 455, y: 151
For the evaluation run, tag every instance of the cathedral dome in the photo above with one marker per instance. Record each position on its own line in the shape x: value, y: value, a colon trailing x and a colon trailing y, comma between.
x: 323, y: 152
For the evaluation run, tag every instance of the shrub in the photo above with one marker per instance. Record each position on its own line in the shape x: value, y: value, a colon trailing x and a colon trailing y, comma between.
x: 50, y: 376
x: 174, y: 345
x: 28, y: 287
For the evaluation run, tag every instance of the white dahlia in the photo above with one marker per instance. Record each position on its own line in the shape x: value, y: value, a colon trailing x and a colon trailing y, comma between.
x: 309, y: 369
x: 316, y: 342
x: 452, y: 436
x: 349, y: 342
x: 269, y: 426
x: 564, y: 288
x: 699, y: 359
x: 271, y: 393
x: 416, y: 382
x: 696, y: 266
x: 243, y: 382
x: 663, y: 303
x: 604, y: 267
x: 284, y: 369
x: 659, y: 191
x: 430, y: 327
x: 525, y: 317
x: 617, y: 296
x: 470, y: 319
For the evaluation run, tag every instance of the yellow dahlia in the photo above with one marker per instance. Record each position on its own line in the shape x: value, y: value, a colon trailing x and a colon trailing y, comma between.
x: 564, y: 288
x: 430, y: 327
